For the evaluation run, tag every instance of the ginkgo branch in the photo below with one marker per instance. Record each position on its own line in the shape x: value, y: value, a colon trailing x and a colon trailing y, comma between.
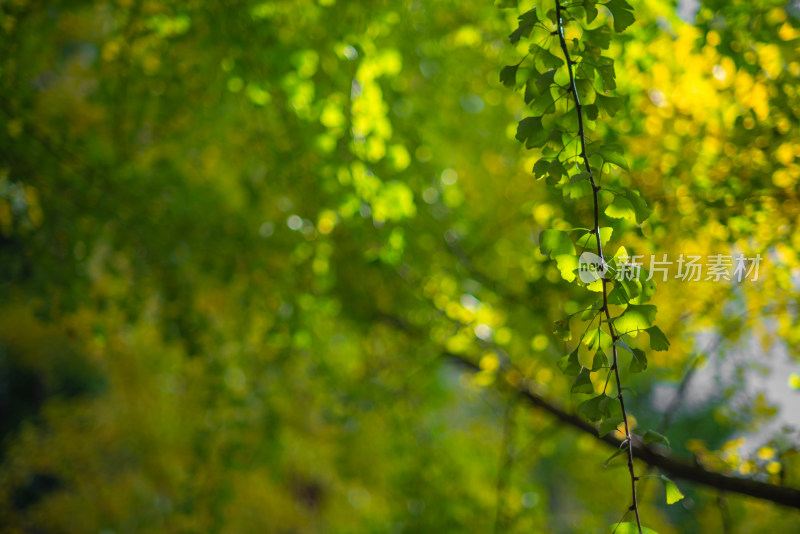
x: 596, y: 231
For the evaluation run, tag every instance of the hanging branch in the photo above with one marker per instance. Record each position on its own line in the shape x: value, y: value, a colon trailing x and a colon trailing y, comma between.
x: 554, y: 136
x: 596, y: 230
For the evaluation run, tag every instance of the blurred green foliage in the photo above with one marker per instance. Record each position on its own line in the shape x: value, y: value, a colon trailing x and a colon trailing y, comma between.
x: 236, y: 239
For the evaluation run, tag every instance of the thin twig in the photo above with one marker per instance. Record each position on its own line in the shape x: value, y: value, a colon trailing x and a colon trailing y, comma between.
x: 595, y: 190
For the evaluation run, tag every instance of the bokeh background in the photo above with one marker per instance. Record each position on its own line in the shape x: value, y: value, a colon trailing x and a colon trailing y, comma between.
x: 239, y: 240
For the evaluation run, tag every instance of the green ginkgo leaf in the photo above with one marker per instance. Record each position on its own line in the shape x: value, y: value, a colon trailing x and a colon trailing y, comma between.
x: 651, y: 436
x: 508, y: 75
x: 531, y: 132
x: 673, y: 493
x: 623, y: 14
x: 561, y: 330
x: 555, y: 242
x: 608, y: 425
x: 569, y: 364
x: 583, y: 383
x: 599, y: 361
x: 639, y: 361
x: 658, y: 341
x: 620, y: 208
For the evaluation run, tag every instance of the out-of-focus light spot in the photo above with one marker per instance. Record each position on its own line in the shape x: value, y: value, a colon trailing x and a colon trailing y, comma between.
x: 719, y: 72
x: 489, y: 362
x: 266, y: 229
x: 284, y: 204
x: 327, y: 222
x: 350, y: 53
x: 539, y: 342
x: 423, y: 153
x: 469, y: 302
x: 502, y: 336
x: 332, y: 115
x: 258, y: 95
x: 430, y: 195
x: 294, y: 222
x: 544, y: 375
x: 449, y: 176
x: 657, y: 97
x: 403, y: 108
x: 235, y: 85
x: 306, y: 63
x: 529, y: 499
x: 471, y: 103
x: 429, y: 68
x: 262, y: 11
x: 766, y: 453
x: 794, y: 381
x: 400, y: 157
x: 483, y: 331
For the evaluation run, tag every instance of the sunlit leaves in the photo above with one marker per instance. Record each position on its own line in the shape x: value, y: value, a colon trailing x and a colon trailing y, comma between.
x: 640, y: 208
x: 541, y: 166
x: 561, y: 330
x: 588, y: 240
x: 597, y: 339
x: 578, y: 186
x: 673, y: 493
x: 567, y: 264
x: 635, y: 318
x: 628, y: 205
x: 610, y: 105
x: 620, y: 208
x: 555, y: 242
x: 610, y: 153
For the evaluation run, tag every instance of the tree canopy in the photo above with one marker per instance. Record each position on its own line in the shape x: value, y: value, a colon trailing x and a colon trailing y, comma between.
x: 313, y: 266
